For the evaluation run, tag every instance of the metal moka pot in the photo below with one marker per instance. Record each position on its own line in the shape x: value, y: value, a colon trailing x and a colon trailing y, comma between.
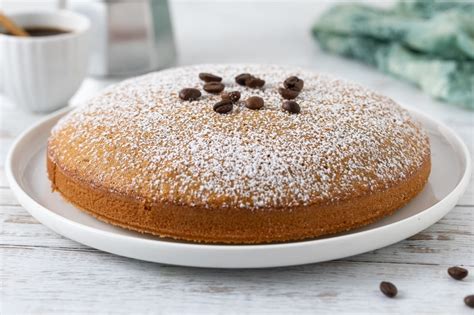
x: 129, y: 37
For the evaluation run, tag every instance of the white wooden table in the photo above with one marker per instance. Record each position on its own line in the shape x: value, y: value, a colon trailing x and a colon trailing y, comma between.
x: 42, y: 272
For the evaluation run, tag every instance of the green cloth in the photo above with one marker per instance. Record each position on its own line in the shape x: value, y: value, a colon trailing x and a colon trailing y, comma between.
x: 429, y: 43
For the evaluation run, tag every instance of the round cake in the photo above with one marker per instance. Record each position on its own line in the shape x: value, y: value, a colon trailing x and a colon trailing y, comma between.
x: 238, y: 154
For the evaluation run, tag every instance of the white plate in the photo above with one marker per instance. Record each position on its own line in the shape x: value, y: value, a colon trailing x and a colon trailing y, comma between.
x: 26, y: 172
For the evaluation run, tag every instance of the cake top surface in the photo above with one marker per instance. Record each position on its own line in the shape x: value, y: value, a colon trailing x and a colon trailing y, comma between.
x: 139, y: 139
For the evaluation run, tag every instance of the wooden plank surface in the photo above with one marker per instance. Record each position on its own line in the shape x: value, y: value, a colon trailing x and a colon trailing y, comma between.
x: 102, y: 282
x: 42, y: 272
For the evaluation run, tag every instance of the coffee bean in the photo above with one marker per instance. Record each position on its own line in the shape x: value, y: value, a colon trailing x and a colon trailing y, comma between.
x: 291, y: 106
x: 214, y: 87
x: 469, y: 301
x: 287, y: 93
x: 457, y: 273
x: 253, y: 82
x: 189, y: 94
x: 233, y: 96
x: 388, y: 288
x: 294, y: 83
x: 254, y: 102
x: 249, y: 80
x: 240, y: 79
x: 223, y: 107
x: 209, y: 77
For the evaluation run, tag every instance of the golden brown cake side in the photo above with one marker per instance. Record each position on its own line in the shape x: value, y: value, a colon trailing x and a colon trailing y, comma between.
x: 231, y: 225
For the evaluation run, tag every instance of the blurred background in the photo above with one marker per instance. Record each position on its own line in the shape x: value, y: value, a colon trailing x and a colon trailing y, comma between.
x: 216, y: 31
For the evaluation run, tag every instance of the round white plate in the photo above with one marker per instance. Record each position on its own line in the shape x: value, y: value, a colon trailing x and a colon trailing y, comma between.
x: 26, y: 172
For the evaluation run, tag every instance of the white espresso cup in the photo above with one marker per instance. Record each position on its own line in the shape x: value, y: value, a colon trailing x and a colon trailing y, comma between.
x: 41, y: 73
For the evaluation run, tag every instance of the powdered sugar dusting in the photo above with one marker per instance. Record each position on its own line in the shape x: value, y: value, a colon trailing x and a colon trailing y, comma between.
x: 138, y: 138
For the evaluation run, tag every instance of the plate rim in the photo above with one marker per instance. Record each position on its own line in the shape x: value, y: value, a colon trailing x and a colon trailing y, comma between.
x: 24, y: 197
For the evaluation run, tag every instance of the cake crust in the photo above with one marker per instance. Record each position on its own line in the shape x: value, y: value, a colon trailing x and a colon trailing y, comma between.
x: 138, y: 157
x: 235, y: 226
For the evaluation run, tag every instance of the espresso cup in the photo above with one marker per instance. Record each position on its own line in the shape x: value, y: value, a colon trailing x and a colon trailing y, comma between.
x: 41, y: 73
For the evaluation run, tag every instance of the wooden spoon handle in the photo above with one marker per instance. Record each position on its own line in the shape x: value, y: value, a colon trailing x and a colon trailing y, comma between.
x: 11, y: 26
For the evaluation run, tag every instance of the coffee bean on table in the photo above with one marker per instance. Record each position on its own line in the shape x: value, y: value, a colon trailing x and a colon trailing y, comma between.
x: 223, y: 107
x: 254, y: 102
x: 294, y: 83
x: 253, y: 82
x: 388, y: 288
x: 240, y: 79
x: 233, y: 96
x: 209, y: 77
x: 469, y: 301
x: 214, y: 87
x: 287, y: 93
x: 291, y: 107
x: 189, y: 94
x: 457, y: 273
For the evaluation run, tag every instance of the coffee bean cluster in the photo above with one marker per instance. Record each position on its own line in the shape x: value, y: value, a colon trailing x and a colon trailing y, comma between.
x: 292, y: 86
x: 457, y: 273
x: 248, y: 80
x: 213, y: 84
x: 251, y: 81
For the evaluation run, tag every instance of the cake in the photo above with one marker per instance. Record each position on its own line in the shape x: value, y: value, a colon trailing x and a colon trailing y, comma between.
x: 289, y: 155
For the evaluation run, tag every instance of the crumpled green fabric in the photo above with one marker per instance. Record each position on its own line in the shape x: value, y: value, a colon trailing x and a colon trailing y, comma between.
x: 429, y: 43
